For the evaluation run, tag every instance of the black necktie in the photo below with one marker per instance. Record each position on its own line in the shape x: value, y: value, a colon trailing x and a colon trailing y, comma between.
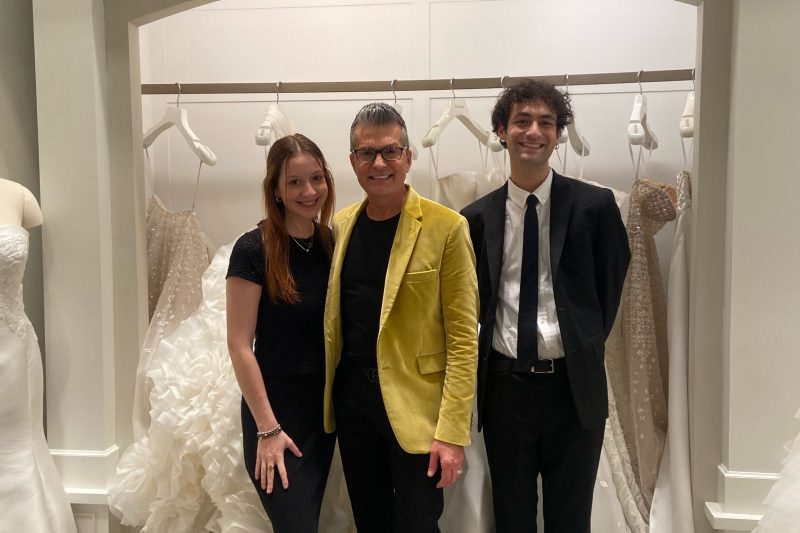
x: 529, y: 285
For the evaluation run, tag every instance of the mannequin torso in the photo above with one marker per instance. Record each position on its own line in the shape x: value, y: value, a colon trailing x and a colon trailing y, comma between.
x: 18, y: 205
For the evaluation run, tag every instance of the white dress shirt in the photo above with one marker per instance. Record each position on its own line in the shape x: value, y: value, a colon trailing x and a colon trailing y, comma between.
x: 504, y: 339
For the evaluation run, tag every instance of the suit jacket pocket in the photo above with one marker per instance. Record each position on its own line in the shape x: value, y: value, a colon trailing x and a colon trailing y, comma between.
x: 433, y: 362
x: 418, y: 277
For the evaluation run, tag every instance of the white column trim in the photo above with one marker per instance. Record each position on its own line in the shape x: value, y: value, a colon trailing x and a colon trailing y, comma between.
x: 742, y: 494
x: 727, y: 521
x: 86, y: 473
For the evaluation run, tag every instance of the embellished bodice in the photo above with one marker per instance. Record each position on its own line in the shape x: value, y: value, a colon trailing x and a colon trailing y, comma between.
x: 684, y: 191
x: 652, y: 206
x: 13, y: 256
x: 177, y: 250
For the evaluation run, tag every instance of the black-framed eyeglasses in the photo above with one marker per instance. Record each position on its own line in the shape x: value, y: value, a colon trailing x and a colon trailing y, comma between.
x: 388, y: 153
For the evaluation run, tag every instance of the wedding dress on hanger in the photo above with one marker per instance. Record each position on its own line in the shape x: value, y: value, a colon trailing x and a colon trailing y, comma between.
x: 459, y: 189
x: 178, y: 252
x: 32, y: 495
x: 468, y: 502
x: 638, y: 341
x: 672, y: 500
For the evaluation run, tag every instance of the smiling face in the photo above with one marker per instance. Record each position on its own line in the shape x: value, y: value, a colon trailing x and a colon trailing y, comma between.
x: 302, y: 189
x: 531, y: 134
x: 383, y: 181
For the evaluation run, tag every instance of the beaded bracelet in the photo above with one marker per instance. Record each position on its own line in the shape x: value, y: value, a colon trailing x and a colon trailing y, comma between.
x: 269, y: 433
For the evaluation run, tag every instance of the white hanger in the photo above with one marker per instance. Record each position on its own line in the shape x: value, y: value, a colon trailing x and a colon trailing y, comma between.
x: 399, y: 108
x: 639, y: 132
x: 686, y: 125
x: 179, y: 118
x: 275, y: 125
x: 457, y: 109
x: 576, y: 140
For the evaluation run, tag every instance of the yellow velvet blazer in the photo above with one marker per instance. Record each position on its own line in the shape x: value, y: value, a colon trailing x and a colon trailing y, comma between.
x: 428, y: 333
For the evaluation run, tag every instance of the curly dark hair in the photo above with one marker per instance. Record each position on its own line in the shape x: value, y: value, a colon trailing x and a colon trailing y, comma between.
x: 529, y: 90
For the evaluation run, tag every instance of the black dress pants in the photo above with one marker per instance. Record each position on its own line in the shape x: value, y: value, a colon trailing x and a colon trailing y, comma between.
x: 531, y: 428
x: 389, y: 488
x: 297, y: 402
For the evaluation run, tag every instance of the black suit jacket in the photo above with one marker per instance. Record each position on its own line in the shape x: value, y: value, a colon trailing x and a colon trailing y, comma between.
x: 589, y: 257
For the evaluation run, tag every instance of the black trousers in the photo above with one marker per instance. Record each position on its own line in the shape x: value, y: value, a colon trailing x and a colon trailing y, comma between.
x: 297, y: 402
x: 531, y: 428
x: 389, y: 488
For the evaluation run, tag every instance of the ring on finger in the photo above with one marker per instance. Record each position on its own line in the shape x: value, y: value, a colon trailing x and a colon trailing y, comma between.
x: 459, y: 471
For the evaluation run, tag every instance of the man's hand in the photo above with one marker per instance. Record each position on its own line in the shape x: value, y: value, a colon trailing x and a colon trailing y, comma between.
x: 450, y: 457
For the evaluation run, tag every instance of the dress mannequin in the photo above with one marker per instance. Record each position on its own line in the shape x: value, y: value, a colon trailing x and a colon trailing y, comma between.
x: 31, y: 492
x: 18, y: 206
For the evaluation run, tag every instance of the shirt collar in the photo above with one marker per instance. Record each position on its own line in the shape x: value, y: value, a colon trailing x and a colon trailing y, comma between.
x: 520, y: 196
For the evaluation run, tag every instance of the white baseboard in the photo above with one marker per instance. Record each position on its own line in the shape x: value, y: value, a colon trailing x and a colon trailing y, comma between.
x: 741, y: 499
x: 86, y: 473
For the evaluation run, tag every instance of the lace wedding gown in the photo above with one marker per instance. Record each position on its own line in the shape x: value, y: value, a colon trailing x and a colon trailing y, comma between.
x: 32, y: 497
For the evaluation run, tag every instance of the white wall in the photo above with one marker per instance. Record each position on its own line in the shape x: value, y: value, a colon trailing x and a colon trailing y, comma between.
x: 18, y: 146
x: 237, y: 41
x: 762, y: 256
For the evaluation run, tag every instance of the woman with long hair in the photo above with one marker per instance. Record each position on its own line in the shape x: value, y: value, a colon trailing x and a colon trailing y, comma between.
x: 276, y: 286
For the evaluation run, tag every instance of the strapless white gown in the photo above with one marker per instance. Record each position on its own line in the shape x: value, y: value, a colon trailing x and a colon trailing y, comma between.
x: 32, y: 497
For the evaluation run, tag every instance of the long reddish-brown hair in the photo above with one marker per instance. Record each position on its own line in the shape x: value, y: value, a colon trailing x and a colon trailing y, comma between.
x: 280, y: 283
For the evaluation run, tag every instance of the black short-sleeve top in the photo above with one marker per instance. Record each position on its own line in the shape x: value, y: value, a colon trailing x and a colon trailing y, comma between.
x: 289, y: 337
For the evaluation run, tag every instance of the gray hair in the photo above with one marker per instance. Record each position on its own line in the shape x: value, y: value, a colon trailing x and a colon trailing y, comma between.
x: 378, y: 113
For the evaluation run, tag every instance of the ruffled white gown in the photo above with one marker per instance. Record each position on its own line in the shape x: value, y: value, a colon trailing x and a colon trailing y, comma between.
x: 32, y: 498
x: 783, y: 500
x: 187, y: 473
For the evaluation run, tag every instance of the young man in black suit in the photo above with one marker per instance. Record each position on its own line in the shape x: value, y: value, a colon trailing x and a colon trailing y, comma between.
x: 552, y: 254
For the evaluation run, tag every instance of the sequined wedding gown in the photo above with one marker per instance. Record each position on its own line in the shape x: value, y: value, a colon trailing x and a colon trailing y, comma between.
x: 636, y: 354
x: 32, y: 498
x: 178, y: 252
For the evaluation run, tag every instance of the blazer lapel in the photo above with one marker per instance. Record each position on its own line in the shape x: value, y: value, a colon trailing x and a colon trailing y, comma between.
x: 494, y: 217
x: 560, y: 210
x: 405, y: 238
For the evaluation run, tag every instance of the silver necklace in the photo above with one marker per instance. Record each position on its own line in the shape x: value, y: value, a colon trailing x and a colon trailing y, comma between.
x: 304, y: 245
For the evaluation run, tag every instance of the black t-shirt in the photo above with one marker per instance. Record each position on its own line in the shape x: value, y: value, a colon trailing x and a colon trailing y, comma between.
x: 289, y: 337
x: 362, y: 280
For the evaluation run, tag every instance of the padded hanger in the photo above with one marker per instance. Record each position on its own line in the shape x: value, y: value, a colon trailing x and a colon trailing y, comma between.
x: 275, y: 125
x: 399, y: 108
x: 457, y: 109
x: 178, y: 117
x: 639, y: 132
x: 576, y: 140
x: 686, y: 125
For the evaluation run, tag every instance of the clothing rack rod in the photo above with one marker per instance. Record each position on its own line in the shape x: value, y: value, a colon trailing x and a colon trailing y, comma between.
x: 643, y: 76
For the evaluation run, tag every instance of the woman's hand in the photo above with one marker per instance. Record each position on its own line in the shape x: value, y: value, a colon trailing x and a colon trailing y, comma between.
x: 269, y: 456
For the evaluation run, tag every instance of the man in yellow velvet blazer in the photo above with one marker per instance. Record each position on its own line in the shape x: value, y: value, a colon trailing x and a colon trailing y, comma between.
x: 400, y: 337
